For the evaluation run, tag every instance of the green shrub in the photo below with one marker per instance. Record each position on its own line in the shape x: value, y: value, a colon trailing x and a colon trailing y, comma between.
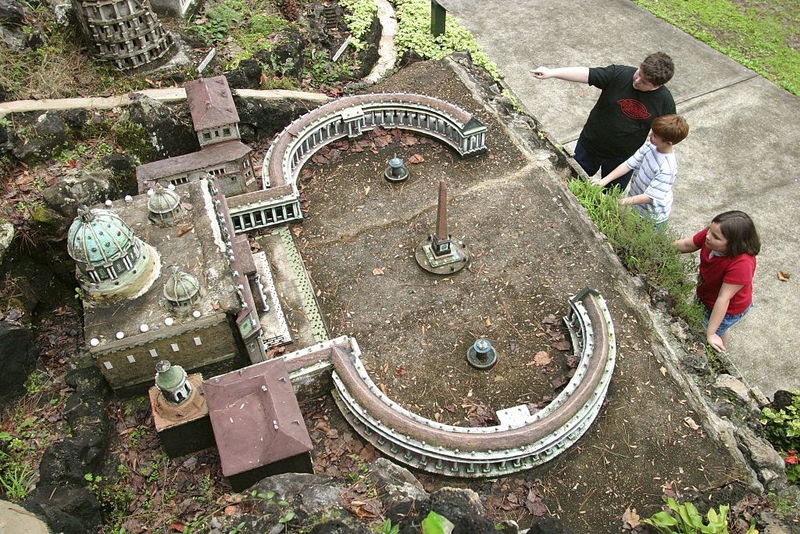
x: 414, y: 33
x: 642, y: 248
x: 782, y: 428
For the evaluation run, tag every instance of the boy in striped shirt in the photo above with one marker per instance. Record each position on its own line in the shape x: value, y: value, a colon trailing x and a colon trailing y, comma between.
x: 654, y: 169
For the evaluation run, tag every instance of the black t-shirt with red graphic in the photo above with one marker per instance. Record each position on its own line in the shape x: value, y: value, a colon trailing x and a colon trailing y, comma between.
x: 620, y: 120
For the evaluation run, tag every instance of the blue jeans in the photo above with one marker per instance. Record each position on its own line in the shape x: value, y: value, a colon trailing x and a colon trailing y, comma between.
x: 727, y: 321
x: 591, y: 164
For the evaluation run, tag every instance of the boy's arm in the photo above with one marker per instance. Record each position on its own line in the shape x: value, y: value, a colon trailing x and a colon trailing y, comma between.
x: 570, y: 74
x: 637, y: 199
x: 613, y: 175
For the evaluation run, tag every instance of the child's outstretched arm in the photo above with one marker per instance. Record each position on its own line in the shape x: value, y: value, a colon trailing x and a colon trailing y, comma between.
x: 726, y: 293
x: 613, y: 175
x: 685, y: 245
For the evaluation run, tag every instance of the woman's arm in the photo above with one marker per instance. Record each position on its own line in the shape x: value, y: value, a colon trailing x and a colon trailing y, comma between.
x: 726, y: 293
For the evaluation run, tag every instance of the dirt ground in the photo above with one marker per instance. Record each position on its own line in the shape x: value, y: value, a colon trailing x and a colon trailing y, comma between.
x: 530, y: 251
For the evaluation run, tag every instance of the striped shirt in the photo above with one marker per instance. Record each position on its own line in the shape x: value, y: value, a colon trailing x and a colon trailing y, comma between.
x: 653, y: 175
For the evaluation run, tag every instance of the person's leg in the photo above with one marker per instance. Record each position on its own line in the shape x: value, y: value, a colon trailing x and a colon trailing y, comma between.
x: 588, y: 162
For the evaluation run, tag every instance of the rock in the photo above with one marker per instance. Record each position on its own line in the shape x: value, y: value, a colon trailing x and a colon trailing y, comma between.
x: 549, y: 526
x: 11, y: 13
x: 6, y: 237
x: 246, y: 76
x: 474, y: 524
x: 732, y: 386
x: 314, y: 499
x: 67, y: 509
x: 781, y: 400
x: 260, y: 120
x: 286, y: 56
x: 15, y: 518
x: 70, y: 193
x: 763, y: 458
x: 151, y: 131
x: 17, y: 360
x: 123, y: 170
x: 46, y: 134
x: 338, y: 527
x: 455, y: 503
x: 394, y: 484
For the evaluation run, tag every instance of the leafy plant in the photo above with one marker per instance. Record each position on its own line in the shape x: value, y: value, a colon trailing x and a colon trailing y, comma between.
x: 388, y: 528
x: 436, y: 524
x: 782, y: 428
x: 35, y: 382
x: 413, y: 33
x: 685, y: 519
x: 16, y: 477
x: 642, y: 248
x: 358, y: 16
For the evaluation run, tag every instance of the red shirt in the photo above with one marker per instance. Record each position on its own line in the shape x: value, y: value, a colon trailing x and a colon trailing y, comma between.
x: 716, y: 270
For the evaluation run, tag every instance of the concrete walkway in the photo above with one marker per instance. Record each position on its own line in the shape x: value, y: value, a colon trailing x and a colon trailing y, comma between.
x: 743, y: 149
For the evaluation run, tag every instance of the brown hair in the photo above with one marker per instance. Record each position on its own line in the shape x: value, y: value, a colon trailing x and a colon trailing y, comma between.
x: 671, y: 128
x: 658, y: 68
x: 739, y: 230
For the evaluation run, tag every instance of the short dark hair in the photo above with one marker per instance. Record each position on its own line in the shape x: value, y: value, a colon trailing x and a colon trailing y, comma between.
x: 658, y: 68
x: 739, y: 230
x: 671, y: 128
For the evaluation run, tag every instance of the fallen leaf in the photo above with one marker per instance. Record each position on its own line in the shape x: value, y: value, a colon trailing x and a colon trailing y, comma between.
x: 663, y: 370
x: 783, y: 277
x: 377, y: 271
x: 688, y: 421
x: 416, y: 158
x: 541, y: 358
x: 630, y: 518
x: 534, y: 504
x: 562, y: 345
x: 488, y: 322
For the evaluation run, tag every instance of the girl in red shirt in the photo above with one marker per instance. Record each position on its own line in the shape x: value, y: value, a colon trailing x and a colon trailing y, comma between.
x: 728, y: 249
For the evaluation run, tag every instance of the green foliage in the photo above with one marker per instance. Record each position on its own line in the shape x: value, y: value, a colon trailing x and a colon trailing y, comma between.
x: 760, y: 35
x: 414, y: 33
x: 16, y: 476
x: 436, y: 524
x: 388, y: 528
x: 248, y: 23
x: 322, y: 71
x: 685, y: 519
x: 35, y: 382
x: 358, y: 16
x: 782, y: 428
x: 642, y: 248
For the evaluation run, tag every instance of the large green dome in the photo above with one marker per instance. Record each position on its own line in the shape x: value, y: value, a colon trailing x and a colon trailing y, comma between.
x: 98, y: 238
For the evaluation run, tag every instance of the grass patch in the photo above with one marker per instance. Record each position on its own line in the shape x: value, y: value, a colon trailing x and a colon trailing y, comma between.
x: 643, y: 249
x: 763, y: 35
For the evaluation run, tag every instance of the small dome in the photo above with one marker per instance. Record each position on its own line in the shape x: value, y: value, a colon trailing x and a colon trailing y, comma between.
x: 164, y: 206
x: 182, y: 289
x: 99, y: 237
